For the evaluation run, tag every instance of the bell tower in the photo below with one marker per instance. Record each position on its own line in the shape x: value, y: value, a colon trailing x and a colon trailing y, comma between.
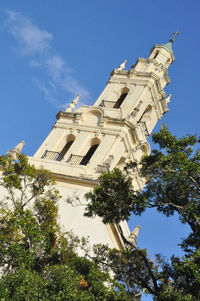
x: 87, y: 141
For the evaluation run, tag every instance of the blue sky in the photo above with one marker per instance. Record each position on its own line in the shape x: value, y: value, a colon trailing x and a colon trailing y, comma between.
x: 52, y: 50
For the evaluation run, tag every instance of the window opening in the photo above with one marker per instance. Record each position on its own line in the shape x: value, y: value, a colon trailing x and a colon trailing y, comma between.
x: 155, y: 56
x: 64, y: 150
x: 89, y: 154
x: 120, y: 100
x: 146, y: 111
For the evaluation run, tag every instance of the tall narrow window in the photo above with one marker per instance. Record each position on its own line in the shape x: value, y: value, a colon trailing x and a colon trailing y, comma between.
x: 65, y: 148
x: 147, y: 112
x: 156, y: 54
x: 89, y: 154
x: 120, y: 100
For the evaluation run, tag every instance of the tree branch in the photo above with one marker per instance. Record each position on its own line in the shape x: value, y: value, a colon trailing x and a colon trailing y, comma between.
x: 193, y: 180
x: 144, y: 258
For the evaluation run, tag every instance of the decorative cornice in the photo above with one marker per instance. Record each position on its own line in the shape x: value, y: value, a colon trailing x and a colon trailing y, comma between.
x: 83, y: 181
x: 121, y: 72
x: 64, y: 114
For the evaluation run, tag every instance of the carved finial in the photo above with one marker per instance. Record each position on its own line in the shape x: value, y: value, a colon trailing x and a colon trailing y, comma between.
x: 18, y: 147
x: 73, y: 104
x: 133, y: 236
x: 174, y: 35
x: 168, y: 98
x: 16, y: 150
x: 122, y: 66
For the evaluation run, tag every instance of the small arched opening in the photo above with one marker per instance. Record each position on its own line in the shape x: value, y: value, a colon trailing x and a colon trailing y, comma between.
x: 90, y: 152
x: 120, y: 100
x: 121, y: 163
x: 146, y: 113
x: 70, y: 140
x: 156, y: 54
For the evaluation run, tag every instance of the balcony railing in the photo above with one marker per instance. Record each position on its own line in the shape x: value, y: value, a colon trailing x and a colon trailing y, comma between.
x: 107, y: 104
x: 76, y: 160
x: 145, y: 130
x: 50, y: 155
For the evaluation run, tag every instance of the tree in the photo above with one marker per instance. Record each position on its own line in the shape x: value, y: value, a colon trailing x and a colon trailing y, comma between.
x: 173, y: 185
x: 37, y: 260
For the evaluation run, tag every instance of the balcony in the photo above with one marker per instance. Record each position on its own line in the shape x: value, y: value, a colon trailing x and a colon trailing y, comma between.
x: 107, y: 104
x: 50, y: 155
x: 77, y: 160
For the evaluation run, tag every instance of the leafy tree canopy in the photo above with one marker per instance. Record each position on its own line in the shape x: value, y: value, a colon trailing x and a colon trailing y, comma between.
x: 172, y: 176
x: 37, y: 260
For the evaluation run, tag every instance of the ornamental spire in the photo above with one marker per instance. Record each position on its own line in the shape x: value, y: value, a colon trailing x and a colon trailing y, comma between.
x: 174, y: 35
x: 16, y: 150
x: 73, y: 104
x: 168, y: 45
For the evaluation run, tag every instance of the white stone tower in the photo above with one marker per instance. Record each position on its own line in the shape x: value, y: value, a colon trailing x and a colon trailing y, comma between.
x: 92, y: 139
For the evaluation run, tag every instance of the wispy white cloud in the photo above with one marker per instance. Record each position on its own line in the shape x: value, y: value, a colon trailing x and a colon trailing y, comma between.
x: 31, y: 39
x: 55, y: 65
x: 35, y: 44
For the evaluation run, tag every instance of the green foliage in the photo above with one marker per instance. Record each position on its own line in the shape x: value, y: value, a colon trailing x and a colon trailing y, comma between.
x: 113, y: 199
x: 37, y: 260
x: 172, y: 176
x: 57, y: 282
x: 174, y: 181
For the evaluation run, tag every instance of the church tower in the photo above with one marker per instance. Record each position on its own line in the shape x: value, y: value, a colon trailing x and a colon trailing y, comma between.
x: 87, y: 141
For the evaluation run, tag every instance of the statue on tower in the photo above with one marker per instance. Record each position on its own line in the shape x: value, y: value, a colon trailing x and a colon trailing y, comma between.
x: 122, y: 66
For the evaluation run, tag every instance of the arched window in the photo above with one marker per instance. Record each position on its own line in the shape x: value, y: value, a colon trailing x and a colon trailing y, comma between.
x: 94, y: 144
x: 121, y: 98
x: 146, y: 113
x: 67, y: 146
x: 156, y: 54
x: 121, y: 163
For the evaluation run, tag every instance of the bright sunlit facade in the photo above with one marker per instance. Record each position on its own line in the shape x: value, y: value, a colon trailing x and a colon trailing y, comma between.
x: 87, y: 141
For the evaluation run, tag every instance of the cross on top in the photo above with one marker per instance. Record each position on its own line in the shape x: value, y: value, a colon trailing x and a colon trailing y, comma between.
x: 174, y: 35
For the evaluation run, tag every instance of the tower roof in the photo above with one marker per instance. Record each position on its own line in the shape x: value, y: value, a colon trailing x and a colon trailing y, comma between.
x: 168, y: 45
